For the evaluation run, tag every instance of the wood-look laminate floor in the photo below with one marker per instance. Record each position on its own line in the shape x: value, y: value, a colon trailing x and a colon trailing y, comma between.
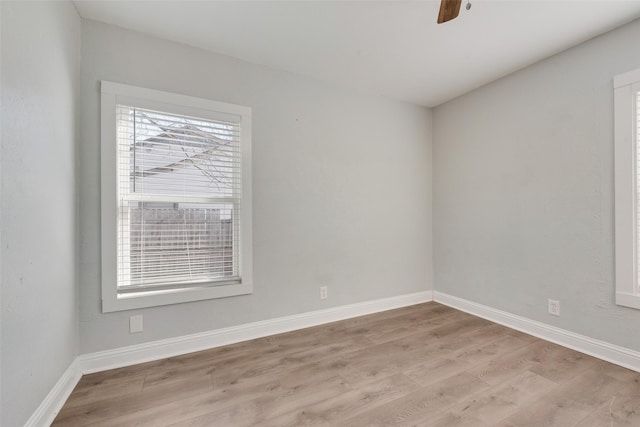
x: 424, y: 365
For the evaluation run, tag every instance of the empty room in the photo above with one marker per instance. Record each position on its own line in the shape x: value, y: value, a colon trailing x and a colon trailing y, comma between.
x: 314, y: 212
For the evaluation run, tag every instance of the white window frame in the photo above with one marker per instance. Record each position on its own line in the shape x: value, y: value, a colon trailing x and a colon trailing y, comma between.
x: 116, y: 93
x: 625, y: 86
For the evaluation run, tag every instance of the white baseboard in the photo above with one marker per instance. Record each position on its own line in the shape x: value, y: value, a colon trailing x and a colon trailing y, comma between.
x: 155, y: 350
x: 603, y: 350
x: 51, y: 405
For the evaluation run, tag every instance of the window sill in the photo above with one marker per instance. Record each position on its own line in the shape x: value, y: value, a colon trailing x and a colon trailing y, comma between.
x: 628, y: 300
x: 131, y: 301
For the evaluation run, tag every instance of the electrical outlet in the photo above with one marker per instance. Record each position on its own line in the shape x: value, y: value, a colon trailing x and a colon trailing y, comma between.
x: 323, y: 292
x: 135, y: 324
x: 553, y: 307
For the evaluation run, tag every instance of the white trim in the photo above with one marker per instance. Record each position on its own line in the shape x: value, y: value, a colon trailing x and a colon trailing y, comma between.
x: 51, y: 405
x: 114, y: 93
x: 602, y: 350
x: 147, y: 96
x: 627, y: 78
x: 628, y: 300
x: 140, y: 353
x: 625, y: 162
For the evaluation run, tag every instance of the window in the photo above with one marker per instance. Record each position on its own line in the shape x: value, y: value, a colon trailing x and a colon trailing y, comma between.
x: 176, y: 198
x: 627, y: 199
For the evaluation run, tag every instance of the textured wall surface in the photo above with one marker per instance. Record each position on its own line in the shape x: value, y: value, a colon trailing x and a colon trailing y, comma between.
x: 523, y: 191
x: 40, y: 81
x: 341, y: 188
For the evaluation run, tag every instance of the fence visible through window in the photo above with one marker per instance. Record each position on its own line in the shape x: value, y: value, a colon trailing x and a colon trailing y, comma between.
x: 170, y: 243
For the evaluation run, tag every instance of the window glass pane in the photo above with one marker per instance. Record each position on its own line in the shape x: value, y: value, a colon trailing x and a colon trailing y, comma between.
x: 169, y: 155
x: 177, y: 243
x: 179, y: 198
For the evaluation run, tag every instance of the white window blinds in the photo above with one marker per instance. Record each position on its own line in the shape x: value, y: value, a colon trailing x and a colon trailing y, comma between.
x: 179, y: 200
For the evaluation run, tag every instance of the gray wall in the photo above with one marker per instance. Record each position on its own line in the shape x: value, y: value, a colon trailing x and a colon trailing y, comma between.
x: 523, y: 191
x: 341, y: 190
x: 40, y: 75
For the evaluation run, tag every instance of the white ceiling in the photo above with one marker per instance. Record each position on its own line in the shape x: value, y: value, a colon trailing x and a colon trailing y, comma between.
x: 388, y: 48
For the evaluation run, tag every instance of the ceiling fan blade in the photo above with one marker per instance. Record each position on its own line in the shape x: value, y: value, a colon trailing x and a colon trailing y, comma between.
x: 449, y: 9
